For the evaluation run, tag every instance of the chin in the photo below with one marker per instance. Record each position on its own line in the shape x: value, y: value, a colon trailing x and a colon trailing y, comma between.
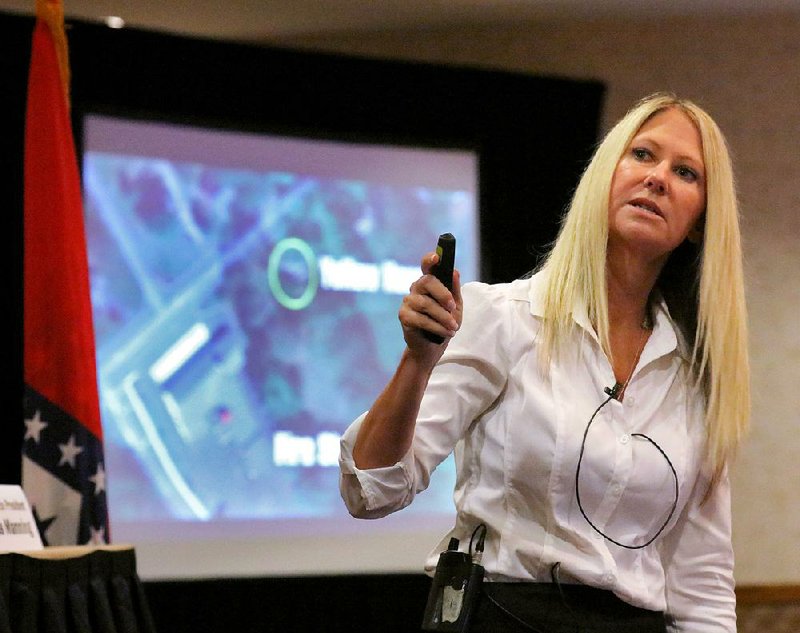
x: 645, y: 244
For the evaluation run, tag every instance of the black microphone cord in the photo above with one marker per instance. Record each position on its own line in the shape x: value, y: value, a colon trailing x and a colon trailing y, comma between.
x: 612, y: 393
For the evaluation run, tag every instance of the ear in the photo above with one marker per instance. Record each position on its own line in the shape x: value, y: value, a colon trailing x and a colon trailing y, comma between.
x: 695, y: 235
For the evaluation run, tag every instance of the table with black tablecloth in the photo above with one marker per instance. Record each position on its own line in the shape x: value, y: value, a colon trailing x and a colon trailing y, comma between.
x: 73, y: 590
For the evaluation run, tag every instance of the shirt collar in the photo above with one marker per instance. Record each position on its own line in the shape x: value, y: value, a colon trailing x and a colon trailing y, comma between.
x: 669, y: 336
x: 666, y: 336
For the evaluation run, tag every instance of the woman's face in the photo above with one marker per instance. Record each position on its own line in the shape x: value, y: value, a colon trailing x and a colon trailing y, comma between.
x: 658, y: 190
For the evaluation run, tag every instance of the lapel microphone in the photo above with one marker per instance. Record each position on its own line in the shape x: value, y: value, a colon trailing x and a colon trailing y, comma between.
x: 613, y: 391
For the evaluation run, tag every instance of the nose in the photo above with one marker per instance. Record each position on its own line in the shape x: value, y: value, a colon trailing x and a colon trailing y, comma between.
x: 655, y: 181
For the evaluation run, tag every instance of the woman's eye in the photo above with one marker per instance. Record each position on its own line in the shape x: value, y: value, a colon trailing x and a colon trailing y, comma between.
x: 687, y: 173
x: 640, y: 153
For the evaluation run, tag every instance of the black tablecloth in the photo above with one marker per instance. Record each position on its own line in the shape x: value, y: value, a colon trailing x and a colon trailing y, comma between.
x: 72, y: 590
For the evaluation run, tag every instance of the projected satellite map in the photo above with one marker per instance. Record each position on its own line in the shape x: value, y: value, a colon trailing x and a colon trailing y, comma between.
x: 243, y: 319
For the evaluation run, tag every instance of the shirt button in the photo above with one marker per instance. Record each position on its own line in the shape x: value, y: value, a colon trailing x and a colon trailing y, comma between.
x: 608, y: 579
x: 624, y: 439
x: 616, y: 489
x: 630, y: 401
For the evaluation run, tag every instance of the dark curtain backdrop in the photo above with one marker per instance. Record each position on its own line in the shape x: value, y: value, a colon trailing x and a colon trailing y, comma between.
x: 533, y: 136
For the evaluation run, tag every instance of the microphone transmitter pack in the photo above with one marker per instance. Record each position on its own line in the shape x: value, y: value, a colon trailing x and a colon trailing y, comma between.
x: 455, y: 591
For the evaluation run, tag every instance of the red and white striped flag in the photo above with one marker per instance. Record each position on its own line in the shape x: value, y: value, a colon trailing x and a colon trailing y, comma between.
x: 62, y: 464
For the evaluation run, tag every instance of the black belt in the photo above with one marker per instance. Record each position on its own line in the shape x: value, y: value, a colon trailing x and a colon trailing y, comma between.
x: 526, y: 607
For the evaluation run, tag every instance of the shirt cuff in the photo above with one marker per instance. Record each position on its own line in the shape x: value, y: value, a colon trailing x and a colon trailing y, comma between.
x: 374, y: 492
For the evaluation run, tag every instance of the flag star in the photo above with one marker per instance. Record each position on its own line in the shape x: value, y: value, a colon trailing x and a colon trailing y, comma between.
x: 99, y: 479
x: 34, y: 427
x: 42, y: 524
x: 69, y: 452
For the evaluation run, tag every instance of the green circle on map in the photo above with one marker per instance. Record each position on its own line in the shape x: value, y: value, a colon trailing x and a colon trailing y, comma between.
x: 273, y: 273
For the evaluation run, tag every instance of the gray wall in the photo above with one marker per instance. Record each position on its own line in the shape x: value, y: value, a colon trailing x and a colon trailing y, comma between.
x: 746, y: 72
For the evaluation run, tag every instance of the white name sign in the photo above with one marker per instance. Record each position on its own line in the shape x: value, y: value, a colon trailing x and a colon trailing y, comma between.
x: 18, y: 531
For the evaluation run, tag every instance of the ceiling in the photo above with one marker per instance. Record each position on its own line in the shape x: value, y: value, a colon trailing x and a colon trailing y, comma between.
x: 274, y: 20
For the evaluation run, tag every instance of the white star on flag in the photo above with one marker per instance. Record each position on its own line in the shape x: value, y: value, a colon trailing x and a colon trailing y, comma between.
x: 69, y: 452
x: 52, y: 499
x: 34, y: 427
x: 99, y: 479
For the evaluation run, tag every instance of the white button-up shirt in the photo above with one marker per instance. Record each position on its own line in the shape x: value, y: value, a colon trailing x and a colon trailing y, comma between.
x: 517, y: 431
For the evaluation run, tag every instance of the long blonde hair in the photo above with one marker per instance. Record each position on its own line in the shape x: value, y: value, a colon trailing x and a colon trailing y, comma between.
x: 704, y: 290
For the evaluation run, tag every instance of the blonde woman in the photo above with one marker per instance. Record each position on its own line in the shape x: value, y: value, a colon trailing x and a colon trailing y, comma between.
x: 593, y: 407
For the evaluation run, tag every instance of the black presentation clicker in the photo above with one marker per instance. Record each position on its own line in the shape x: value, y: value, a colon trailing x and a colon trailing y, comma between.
x: 443, y: 270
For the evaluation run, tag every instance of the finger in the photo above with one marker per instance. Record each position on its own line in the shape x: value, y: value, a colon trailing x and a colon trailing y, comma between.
x: 431, y: 286
x: 427, y: 305
x: 429, y: 260
x: 419, y: 322
x: 418, y: 309
x: 456, y: 292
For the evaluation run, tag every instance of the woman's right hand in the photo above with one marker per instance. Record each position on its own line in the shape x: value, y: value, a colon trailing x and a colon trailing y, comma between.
x: 387, y: 430
x: 430, y: 307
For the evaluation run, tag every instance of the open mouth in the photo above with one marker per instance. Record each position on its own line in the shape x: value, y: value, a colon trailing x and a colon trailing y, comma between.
x: 647, y: 205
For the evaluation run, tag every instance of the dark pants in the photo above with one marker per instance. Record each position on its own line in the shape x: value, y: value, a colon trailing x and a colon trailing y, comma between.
x: 552, y: 608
